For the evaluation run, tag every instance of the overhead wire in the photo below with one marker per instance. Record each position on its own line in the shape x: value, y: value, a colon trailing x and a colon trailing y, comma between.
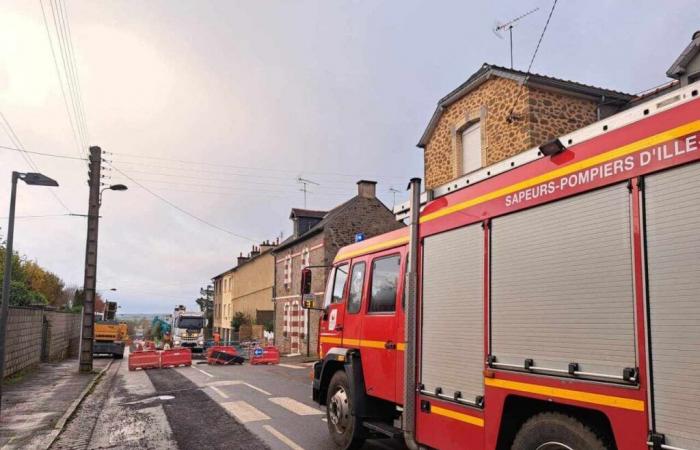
x: 18, y: 143
x: 532, y: 60
x: 78, y: 144
x: 52, y: 155
x: 178, y: 208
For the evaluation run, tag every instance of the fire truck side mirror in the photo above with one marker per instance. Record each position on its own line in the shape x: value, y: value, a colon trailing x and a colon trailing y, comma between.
x: 307, y: 296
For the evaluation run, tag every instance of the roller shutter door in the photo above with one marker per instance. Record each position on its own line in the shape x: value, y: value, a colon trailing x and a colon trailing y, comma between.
x: 453, y: 312
x: 672, y: 201
x: 562, y: 286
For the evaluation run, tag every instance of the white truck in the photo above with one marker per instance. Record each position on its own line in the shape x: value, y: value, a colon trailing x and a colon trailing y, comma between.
x: 188, y: 329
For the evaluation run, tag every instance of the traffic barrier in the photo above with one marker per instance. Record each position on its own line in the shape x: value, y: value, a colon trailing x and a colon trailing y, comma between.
x: 223, y: 354
x: 175, y: 357
x: 144, y: 360
x: 265, y: 355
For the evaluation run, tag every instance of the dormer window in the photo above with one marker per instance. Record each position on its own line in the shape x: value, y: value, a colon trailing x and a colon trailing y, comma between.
x: 471, y: 147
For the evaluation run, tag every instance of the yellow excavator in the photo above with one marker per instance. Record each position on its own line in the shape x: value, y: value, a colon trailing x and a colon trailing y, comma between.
x: 111, y: 336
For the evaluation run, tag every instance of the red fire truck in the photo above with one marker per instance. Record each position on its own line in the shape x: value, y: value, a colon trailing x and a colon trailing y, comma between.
x: 551, y: 301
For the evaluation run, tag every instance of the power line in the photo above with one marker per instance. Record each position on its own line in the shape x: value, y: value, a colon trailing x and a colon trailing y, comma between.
x: 52, y: 155
x: 60, y: 82
x: 532, y: 60
x: 184, y: 211
x: 205, y: 163
x: 18, y: 144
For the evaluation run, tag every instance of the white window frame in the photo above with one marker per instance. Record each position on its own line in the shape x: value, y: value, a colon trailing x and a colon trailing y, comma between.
x: 476, y: 161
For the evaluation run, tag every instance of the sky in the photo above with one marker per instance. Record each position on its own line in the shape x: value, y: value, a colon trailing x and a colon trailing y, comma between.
x: 219, y: 106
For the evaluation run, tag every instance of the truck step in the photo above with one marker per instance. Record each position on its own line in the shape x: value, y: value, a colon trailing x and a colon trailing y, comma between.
x: 384, y: 429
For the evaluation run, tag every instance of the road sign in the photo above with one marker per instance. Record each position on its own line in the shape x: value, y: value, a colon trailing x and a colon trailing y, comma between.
x: 258, y: 351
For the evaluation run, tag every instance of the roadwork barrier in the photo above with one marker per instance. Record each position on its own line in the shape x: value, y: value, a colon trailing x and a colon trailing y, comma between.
x: 265, y: 355
x: 176, y: 357
x: 148, y: 359
x: 223, y: 354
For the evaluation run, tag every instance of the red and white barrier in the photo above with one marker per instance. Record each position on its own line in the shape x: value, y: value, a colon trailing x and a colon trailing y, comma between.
x: 176, y: 357
x: 144, y: 360
x: 268, y: 355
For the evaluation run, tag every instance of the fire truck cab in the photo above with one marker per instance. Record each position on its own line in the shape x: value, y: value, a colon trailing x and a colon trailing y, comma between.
x: 546, y: 302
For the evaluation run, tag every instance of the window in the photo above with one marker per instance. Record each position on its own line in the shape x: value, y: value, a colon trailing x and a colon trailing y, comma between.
x: 305, y: 254
x: 287, y: 271
x: 336, y: 285
x: 385, y: 275
x: 471, y: 148
x: 341, y: 276
x: 357, y: 279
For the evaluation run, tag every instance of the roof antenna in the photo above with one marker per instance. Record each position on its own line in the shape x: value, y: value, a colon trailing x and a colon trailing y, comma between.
x: 394, y: 192
x: 498, y: 27
x: 304, y: 189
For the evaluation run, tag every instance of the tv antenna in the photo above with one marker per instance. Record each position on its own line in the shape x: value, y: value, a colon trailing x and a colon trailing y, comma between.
x: 509, y: 26
x: 305, y: 183
x: 394, y: 192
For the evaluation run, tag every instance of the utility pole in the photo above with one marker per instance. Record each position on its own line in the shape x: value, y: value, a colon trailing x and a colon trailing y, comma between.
x: 89, y: 284
x: 305, y: 184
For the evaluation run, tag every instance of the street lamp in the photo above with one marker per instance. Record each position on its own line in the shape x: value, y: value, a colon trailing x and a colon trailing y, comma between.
x: 114, y: 187
x: 32, y: 179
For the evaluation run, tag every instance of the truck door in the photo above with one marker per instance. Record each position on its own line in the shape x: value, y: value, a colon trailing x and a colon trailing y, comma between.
x: 331, y: 331
x: 380, y: 339
x: 352, y: 331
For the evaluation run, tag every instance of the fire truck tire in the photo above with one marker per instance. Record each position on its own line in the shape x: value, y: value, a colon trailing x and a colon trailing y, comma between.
x: 556, y: 431
x: 344, y: 427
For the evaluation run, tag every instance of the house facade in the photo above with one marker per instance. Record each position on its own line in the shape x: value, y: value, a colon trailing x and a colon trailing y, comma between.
x: 317, y: 237
x: 498, y: 113
x: 246, y: 288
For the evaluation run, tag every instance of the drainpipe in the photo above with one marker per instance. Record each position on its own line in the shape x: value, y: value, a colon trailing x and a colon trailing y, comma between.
x: 409, y: 367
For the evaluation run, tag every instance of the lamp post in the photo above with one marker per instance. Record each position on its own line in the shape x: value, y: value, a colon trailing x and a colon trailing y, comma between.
x: 32, y: 179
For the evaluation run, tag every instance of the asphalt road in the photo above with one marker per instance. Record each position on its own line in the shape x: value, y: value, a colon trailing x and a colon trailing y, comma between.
x: 273, y: 402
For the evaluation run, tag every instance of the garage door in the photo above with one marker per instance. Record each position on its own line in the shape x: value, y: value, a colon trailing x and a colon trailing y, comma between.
x: 562, y: 288
x: 453, y: 313
x: 672, y: 201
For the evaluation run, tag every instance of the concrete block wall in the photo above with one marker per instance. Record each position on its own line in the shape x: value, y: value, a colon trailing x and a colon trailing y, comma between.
x: 63, y: 335
x: 25, y: 341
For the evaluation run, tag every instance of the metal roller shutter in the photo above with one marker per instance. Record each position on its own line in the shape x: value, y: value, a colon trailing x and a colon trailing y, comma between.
x: 672, y: 201
x: 562, y: 286
x: 453, y: 312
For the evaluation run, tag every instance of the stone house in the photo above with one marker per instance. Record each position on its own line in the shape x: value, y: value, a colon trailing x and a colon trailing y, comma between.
x: 317, y: 237
x: 499, y: 112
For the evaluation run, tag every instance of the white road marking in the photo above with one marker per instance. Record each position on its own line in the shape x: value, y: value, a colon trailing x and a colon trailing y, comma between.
x: 290, y: 443
x: 219, y: 391
x: 291, y: 366
x: 225, y: 383
x: 262, y: 391
x: 295, y: 406
x: 205, y: 373
x: 323, y: 419
x: 244, y: 412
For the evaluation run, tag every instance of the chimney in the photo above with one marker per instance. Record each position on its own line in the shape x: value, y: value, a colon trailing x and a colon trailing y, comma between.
x: 367, y: 189
x: 241, y: 259
x: 254, y: 252
x: 265, y: 246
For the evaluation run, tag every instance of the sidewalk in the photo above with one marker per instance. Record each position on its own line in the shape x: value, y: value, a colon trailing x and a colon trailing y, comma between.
x: 37, y: 406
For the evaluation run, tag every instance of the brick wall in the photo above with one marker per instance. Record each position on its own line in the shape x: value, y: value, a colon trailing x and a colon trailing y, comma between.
x: 25, y: 341
x: 539, y: 116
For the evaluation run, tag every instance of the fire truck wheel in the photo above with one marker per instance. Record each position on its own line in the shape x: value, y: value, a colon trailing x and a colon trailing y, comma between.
x: 344, y: 427
x: 556, y: 431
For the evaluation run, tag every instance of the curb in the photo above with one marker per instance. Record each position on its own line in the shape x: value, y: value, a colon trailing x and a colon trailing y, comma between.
x: 61, y: 424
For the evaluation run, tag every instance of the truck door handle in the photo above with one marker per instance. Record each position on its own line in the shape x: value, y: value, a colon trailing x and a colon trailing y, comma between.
x: 389, y: 345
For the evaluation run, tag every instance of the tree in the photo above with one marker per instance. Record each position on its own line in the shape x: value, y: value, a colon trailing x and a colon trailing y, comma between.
x: 239, y: 319
x: 206, y: 305
x: 20, y: 295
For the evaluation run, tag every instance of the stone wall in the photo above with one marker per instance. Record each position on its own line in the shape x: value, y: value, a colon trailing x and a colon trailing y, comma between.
x: 33, y: 333
x: 537, y: 117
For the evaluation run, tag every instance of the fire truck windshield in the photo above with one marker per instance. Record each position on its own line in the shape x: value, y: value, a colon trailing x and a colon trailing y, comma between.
x: 191, y: 323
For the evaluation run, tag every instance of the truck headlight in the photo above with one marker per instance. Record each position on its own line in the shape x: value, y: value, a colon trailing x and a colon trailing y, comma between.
x: 200, y: 340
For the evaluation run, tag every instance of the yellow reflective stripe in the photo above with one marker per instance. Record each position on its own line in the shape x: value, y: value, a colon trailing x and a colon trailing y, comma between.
x: 371, y: 248
x: 566, y: 170
x: 478, y: 421
x: 359, y: 342
x: 568, y: 394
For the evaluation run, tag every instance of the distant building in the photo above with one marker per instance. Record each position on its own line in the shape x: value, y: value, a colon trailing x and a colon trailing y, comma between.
x: 246, y: 288
x: 499, y: 112
x: 317, y: 237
